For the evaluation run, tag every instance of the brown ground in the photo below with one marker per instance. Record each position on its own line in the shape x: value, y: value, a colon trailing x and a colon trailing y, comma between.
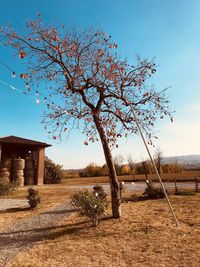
x: 182, y: 176
x: 144, y: 236
x: 51, y: 196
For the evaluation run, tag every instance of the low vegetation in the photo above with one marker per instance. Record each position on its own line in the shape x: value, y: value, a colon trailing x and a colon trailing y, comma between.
x: 94, y: 170
x: 33, y: 198
x: 53, y: 173
x: 184, y: 193
x: 91, y: 204
x: 153, y: 192
x: 144, y: 236
x: 6, y: 187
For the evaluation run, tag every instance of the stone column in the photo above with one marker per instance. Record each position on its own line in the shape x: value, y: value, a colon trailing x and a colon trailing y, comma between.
x: 40, y: 166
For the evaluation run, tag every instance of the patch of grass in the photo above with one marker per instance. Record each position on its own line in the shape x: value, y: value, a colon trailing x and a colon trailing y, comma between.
x: 6, y: 187
x: 144, y: 236
x: 51, y: 196
x: 180, y: 177
x: 185, y: 193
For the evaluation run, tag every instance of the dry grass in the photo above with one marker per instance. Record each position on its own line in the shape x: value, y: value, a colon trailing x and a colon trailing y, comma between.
x: 182, y: 176
x: 51, y: 196
x: 144, y: 236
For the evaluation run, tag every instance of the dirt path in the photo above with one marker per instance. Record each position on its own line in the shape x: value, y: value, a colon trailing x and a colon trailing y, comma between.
x: 6, y: 204
x: 25, y: 233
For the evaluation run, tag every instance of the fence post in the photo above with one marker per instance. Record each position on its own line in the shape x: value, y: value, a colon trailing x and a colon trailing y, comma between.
x: 121, y: 186
x: 176, y: 188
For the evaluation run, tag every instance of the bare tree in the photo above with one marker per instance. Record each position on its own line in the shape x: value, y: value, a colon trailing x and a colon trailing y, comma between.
x: 144, y: 165
x: 131, y: 165
x: 158, y: 156
x: 86, y: 84
x: 118, y: 162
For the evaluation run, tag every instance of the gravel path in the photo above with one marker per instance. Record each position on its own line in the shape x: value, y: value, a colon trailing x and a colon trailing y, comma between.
x: 6, y: 204
x: 25, y: 233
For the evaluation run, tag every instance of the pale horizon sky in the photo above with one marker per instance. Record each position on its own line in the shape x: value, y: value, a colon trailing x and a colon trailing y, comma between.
x: 167, y: 30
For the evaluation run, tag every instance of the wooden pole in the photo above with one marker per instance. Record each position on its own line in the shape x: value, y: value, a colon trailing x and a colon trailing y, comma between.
x: 154, y: 165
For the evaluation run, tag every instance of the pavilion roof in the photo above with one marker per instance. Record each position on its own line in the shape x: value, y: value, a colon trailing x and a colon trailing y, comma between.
x: 21, y: 141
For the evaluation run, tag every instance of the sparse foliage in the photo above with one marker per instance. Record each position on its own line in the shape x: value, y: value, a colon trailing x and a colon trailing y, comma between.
x: 153, y: 192
x: 52, y: 172
x: 146, y: 168
x: 92, y: 170
x: 172, y: 168
x: 33, y: 198
x: 131, y: 165
x: 99, y: 192
x: 87, y: 80
x: 158, y: 156
x: 124, y: 170
x: 118, y: 163
x: 91, y: 204
x: 7, y: 188
x: 185, y: 193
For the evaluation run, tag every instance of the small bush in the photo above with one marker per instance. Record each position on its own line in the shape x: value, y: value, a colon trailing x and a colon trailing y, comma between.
x: 91, y: 204
x: 7, y: 188
x: 153, y: 192
x: 53, y: 173
x: 33, y: 198
x: 99, y: 192
x: 185, y: 193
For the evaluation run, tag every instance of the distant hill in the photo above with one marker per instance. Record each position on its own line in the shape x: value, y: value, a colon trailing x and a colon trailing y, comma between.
x: 187, y: 161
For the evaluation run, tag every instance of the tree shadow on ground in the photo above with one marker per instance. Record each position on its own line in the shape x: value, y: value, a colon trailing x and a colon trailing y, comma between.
x: 20, y: 239
x: 28, y: 237
x: 60, y: 211
x: 11, y: 210
x: 135, y: 198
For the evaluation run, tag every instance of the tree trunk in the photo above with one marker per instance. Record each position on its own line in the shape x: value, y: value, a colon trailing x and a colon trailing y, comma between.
x: 114, y: 184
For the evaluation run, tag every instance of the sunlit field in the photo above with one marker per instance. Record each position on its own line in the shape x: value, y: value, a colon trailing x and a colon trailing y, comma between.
x: 182, y: 176
x: 145, y: 235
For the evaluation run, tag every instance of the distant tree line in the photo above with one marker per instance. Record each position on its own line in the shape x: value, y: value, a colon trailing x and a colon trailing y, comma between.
x: 93, y: 170
x: 145, y: 167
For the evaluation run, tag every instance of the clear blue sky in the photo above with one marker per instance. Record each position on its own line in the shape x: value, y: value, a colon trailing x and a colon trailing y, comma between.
x: 167, y: 30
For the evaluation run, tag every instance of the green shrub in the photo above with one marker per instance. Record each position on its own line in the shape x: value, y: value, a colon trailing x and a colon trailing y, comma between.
x: 153, y: 192
x: 53, y: 173
x: 7, y: 188
x: 185, y: 193
x: 91, y: 204
x: 33, y: 198
x: 99, y: 192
